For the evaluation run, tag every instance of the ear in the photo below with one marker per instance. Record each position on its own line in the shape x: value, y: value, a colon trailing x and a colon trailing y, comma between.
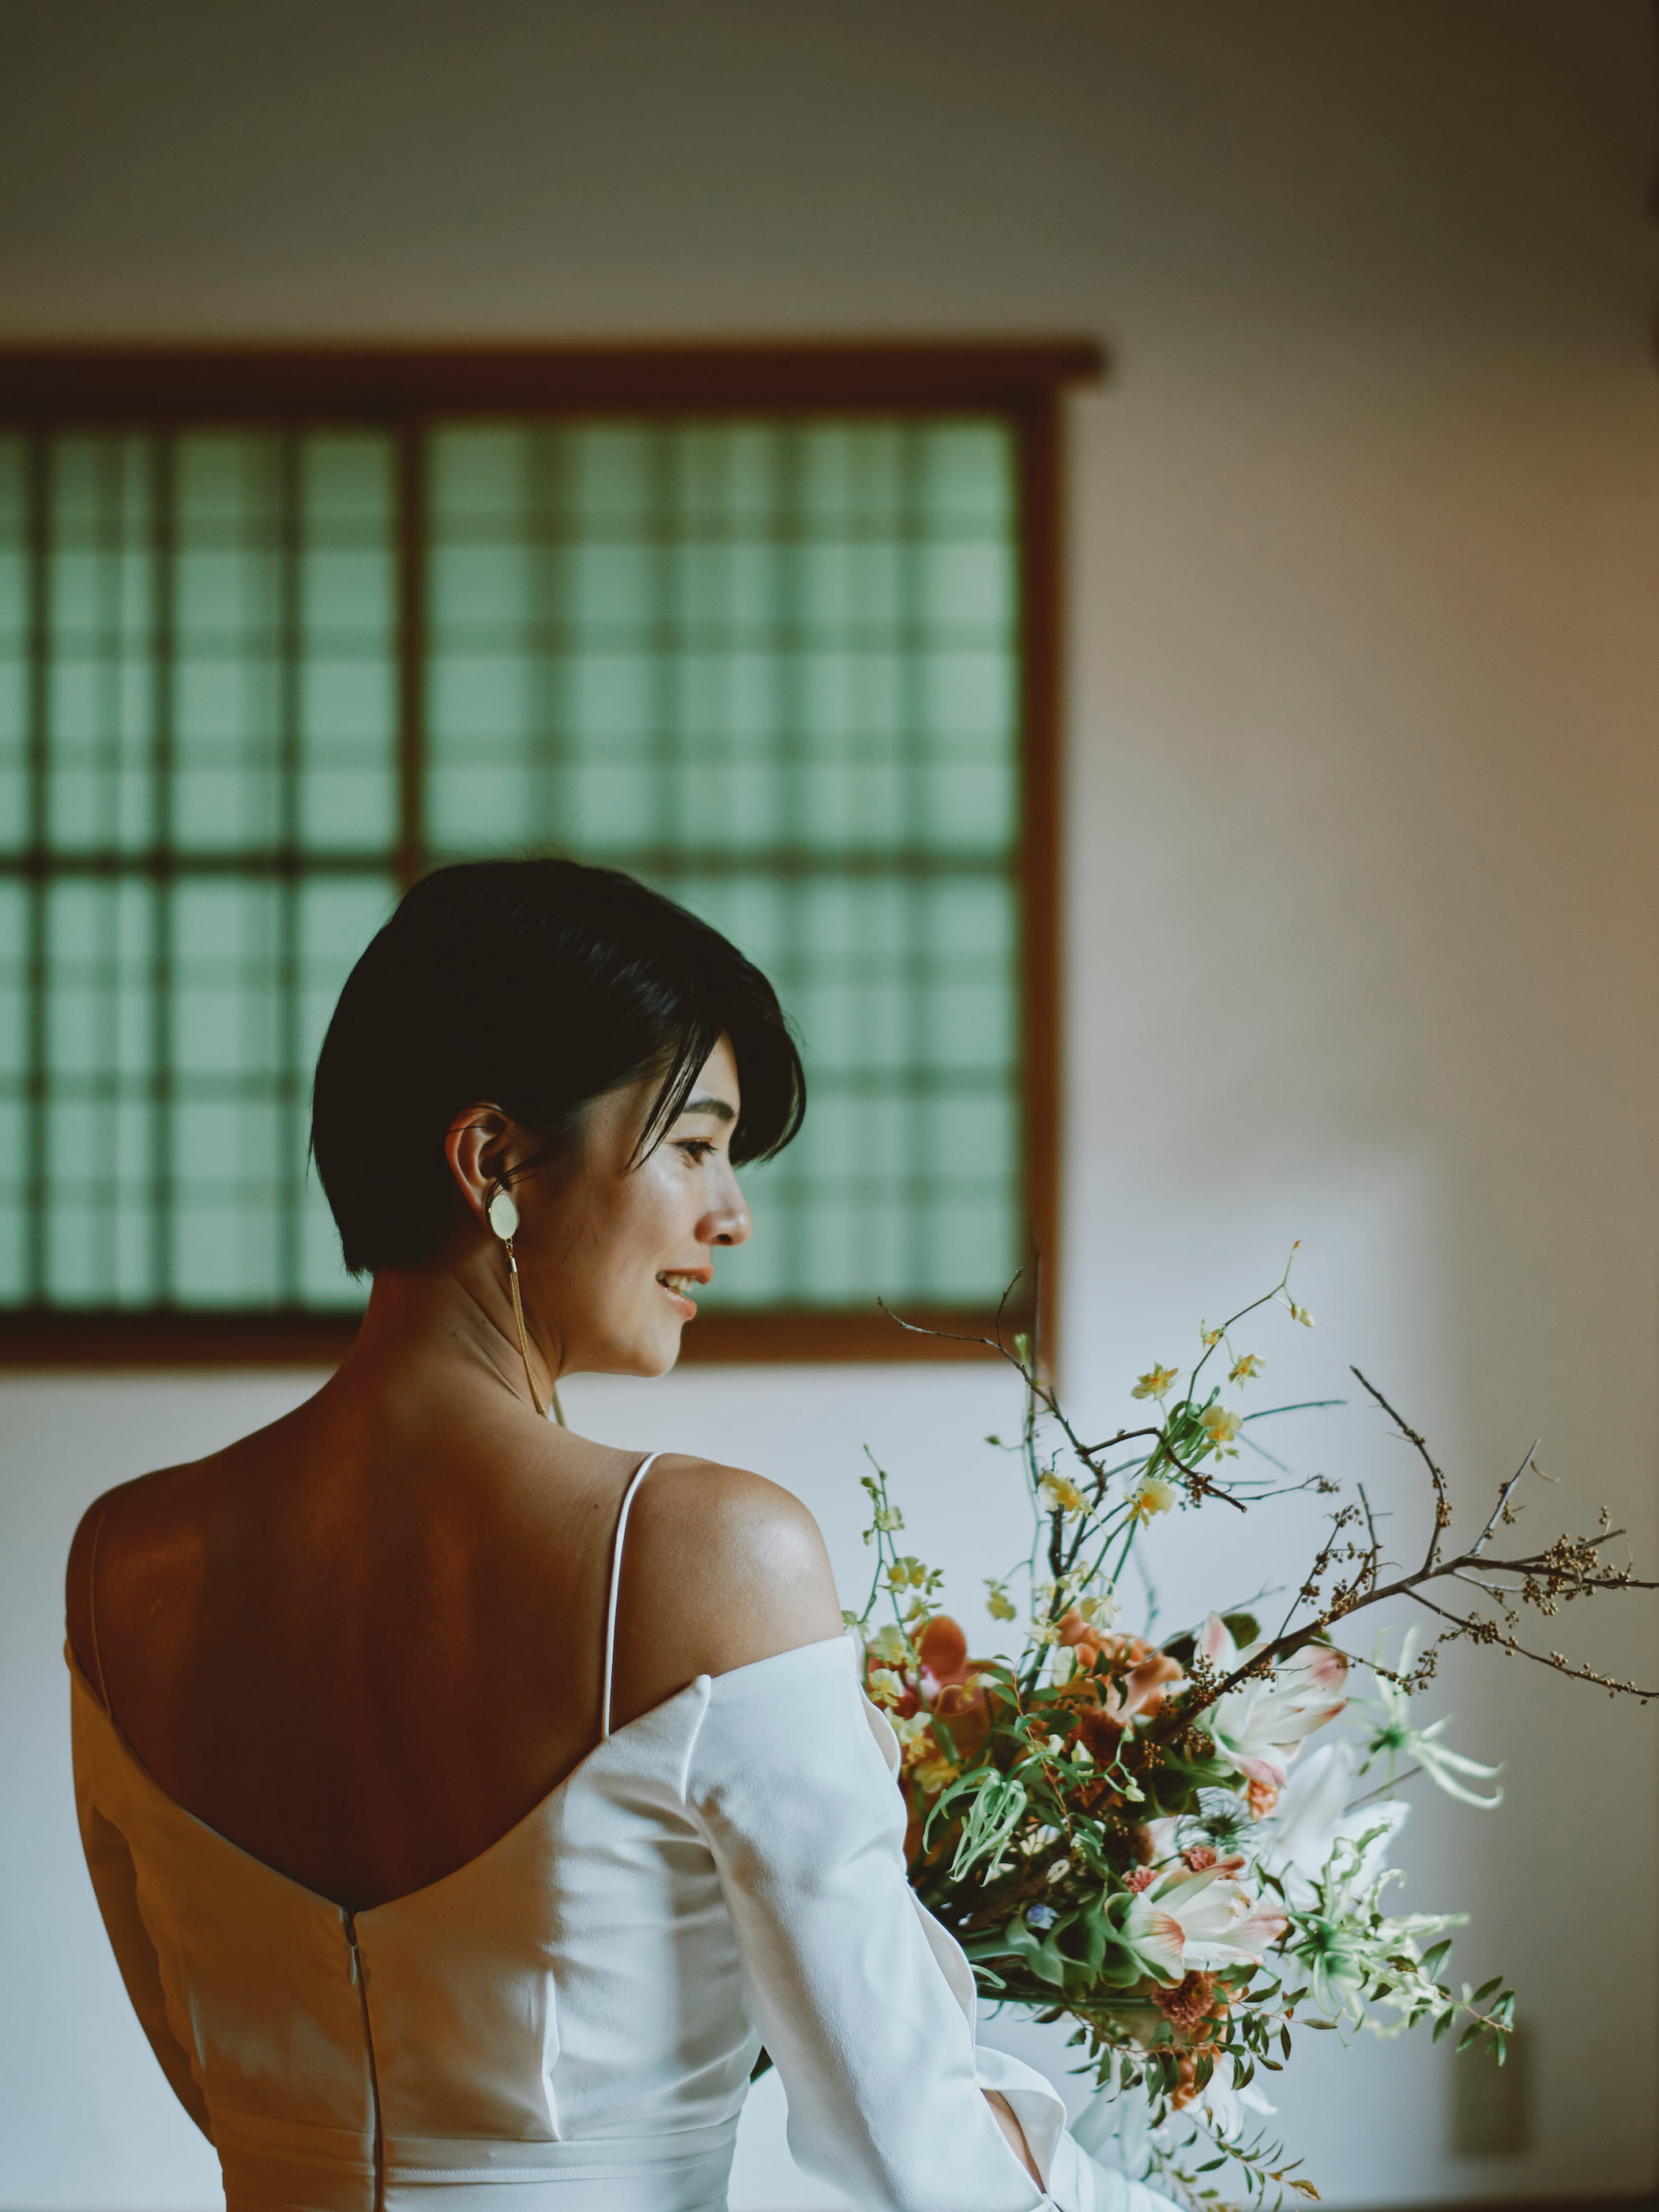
x: 475, y: 1144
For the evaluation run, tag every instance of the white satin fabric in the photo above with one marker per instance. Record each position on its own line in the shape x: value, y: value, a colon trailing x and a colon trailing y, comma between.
x: 574, y: 2014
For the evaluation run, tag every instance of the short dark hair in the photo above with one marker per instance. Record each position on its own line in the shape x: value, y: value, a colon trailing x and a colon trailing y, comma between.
x: 538, y: 985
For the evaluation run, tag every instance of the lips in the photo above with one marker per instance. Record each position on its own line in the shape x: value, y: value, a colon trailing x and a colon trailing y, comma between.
x: 678, y: 1283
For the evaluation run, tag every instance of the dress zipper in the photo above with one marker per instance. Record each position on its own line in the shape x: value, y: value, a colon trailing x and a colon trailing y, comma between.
x: 359, y: 1979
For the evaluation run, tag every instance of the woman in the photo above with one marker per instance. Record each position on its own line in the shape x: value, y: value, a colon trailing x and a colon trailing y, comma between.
x: 465, y: 1809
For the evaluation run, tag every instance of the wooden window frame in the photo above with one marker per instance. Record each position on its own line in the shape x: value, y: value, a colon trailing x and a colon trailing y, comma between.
x: 403, y: 389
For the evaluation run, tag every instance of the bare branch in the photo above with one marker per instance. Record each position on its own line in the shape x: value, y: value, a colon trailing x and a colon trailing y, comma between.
x: 1500, y: 1511
x: 1442, y: 1513
x: 1486, y: 1631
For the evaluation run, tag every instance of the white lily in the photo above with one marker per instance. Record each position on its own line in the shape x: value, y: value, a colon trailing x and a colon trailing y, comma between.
x: 1199, y: 1922
x: 1394, y: 1740
x: 1260, y: 1728
x: 1312, y: 1819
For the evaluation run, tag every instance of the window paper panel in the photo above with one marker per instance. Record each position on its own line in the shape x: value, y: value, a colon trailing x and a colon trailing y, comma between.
x: 286, y: 641
x: 734, y: 658
x: 101, y: 1188
x: 16, y: 613
x: 903, y: 993
x: 236, y: 1142
x: 16, y: 932
x: 100, y: 586
x: 346, y: 648
x: 651, y: 604
x: 770, y: 665
x: 232, y: 621
x: 215, y: 697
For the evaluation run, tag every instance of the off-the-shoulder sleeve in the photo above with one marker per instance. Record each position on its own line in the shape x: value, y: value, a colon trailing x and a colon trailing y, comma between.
x: 864, y: 2002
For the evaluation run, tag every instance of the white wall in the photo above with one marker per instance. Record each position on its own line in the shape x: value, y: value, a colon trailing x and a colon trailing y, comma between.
x: 1362, y: 795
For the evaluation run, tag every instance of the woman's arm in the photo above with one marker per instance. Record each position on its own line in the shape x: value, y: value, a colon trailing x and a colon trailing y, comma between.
x: 789, y: 1789
x: 865, y: 2002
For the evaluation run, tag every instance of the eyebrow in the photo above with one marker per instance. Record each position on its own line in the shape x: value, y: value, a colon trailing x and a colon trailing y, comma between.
x: 717, y: 1107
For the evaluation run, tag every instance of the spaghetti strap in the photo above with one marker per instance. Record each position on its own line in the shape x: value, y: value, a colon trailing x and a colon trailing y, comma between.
x: 640, y: 1473
x: 92, y: 1602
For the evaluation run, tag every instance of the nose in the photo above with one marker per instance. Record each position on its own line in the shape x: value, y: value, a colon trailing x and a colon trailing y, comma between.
x: 726, y: 1221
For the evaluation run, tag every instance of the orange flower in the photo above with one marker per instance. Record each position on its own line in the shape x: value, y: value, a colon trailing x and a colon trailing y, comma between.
x: 943, y: 1648
x: 1191, y: 2003
x: 952, y: 1685
x: 1106, y: 1708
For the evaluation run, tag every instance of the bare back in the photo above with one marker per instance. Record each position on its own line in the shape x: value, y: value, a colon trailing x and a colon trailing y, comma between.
x: 363, y: 1650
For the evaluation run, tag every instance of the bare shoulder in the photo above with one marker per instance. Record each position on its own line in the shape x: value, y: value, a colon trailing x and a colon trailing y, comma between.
x: 741, y: 1520
x: 725, y: 1566
x: 97, y: 1545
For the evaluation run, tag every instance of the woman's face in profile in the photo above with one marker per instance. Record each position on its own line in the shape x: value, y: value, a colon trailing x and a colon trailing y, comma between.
x: 611, y: 1256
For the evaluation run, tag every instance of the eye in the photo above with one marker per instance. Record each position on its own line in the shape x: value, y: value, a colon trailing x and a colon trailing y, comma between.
x: 697, y: 1149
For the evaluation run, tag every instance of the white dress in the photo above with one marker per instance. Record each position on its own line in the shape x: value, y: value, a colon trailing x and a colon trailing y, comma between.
x: 576, y: 2012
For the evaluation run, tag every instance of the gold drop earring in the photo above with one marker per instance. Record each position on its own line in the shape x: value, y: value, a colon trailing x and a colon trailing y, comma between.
x: 503, y: 1214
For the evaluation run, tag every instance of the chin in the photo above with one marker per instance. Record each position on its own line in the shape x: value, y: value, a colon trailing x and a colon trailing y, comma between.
x: 650, y: 1353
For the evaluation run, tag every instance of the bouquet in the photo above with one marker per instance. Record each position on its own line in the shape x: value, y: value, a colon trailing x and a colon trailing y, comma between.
x: 1139, y: 1836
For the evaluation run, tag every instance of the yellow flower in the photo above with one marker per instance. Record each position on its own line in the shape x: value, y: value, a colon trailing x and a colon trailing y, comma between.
x: 1301, y: 1314
x: 1062, y: 1494
x: 1154, y: 1384
x: 932, y: 1774
x: 890, y: 1645
x: 998, y: 1604
x: 885, y: 1688
x: 1155, y: 1495
x: 1245, y: 1367
x: 1219, y: 1426
x: 1100, y: 1611
x: 906, y: 1573
x: 1210, y: 1336
x: 915, y: 1734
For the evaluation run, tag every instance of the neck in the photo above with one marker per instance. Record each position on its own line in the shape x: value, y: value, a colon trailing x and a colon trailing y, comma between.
x: 445, y: 1324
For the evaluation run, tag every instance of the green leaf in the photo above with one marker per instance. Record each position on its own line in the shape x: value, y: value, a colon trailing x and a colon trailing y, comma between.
x: 1092, y: 1931
x: 1042, y: 1956
x: 1487, y: 1989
